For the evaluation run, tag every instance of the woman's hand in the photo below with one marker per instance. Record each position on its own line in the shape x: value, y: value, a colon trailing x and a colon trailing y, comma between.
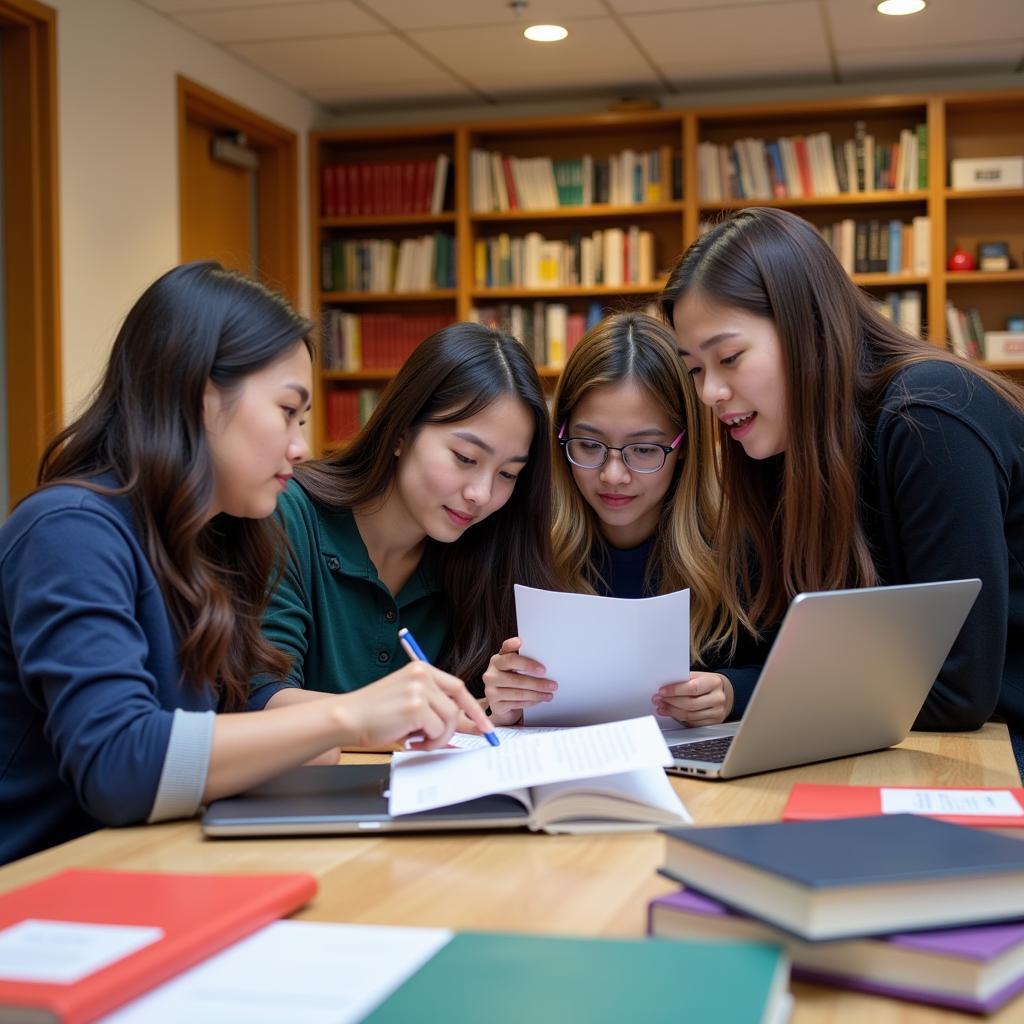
x: 513, y: 682
x: 418, y: 698
x: 705, y: 698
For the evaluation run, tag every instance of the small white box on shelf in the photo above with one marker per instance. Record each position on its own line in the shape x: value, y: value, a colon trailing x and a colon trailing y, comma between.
x: 1004, y: 346
x: 988, y: 172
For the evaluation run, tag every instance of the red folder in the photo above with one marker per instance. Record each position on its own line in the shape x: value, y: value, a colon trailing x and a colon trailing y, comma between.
x: 199, y: 915
x: 811, y: 801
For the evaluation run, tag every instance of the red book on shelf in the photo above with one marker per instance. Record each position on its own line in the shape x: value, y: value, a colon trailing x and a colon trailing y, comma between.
x: 100, y: 938
x: 341, y: 191
x: 328, y: 195
x: 803, y: 163
x: 981, y: 807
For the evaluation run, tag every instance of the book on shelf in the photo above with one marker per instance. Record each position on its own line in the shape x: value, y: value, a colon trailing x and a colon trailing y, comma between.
x: 1001, y: 346
x: 610, y: 256
x: 813, y: 165
x: 877, y: 246
x: 499, y: 182
x: 849, y: 877
x: 903, y: 309
x: 374, y: 341
x: 79, y: 943
x: 598, y: 778
x: 978, y: 969
x: 966, y: 336
x: 388, y: 188
x: 348, y: 409
x: 347, y: 973
x: 990, y: 807
x: 383, y: 265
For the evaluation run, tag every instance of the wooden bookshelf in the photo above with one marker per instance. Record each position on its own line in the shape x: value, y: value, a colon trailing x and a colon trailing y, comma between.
x: 970, y: 124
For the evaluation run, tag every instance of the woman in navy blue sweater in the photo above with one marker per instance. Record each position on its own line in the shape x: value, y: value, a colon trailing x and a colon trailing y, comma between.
x: 133, y: 581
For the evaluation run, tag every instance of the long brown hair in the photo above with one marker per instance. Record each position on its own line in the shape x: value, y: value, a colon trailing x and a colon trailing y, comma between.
x: 453, y: 375
x: 632, y: 347
x: 797, y: 514
x: 144, y: 427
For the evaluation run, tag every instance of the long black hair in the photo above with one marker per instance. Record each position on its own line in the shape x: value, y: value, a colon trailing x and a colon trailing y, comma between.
x: 144, y: 426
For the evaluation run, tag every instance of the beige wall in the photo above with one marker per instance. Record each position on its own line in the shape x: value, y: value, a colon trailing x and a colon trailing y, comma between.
x: 118, y: 150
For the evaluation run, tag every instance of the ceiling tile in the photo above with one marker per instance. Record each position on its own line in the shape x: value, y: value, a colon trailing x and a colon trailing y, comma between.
x: 992, y: 57
x: 498, y: 58
x: 301, y: 21
x: 176, y: 6
x: 858, y: 26
x: 736, y: 43
x: 463, y: 13
x: 352, y: 71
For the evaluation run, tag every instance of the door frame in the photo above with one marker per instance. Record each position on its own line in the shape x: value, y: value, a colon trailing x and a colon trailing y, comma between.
x: 277, y: 256
x: 28, y: 35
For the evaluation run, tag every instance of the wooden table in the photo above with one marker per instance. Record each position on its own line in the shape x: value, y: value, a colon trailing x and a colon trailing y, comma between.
x: 574, y: 885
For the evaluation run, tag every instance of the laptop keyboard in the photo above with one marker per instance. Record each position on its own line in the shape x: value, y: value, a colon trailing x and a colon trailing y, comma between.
x: 703, y: 750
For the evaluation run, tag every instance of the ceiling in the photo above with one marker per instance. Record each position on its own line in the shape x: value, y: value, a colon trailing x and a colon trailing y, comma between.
x: 351, y: 55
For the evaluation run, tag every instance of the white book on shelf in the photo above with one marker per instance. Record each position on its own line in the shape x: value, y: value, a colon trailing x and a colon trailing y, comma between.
x: 532, y: 242
x: 519, y: 181
x: 850, y: 156
x: 612, y: 258
x: 556, y: 327
x: 790, y: 168
x: 627, y: 177
x: 957, y: 340
x: 910, y: 312
x: 922, y: 244
x: 646, y: 257
x: 598, y: 239
x: 498, y: 182
x: 633, y: 254
x: 546, y: 172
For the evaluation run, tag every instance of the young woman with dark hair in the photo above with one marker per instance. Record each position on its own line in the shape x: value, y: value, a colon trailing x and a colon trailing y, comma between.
x: 852, y: 453
x: 425, y: 520
x: 635, y: 505
x: 133, y: 581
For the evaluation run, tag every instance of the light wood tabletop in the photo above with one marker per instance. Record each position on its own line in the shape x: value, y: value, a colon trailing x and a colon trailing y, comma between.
x: 571, y: 885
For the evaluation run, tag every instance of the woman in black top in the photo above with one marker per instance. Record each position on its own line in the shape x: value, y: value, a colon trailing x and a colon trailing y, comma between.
x: 852, y: 453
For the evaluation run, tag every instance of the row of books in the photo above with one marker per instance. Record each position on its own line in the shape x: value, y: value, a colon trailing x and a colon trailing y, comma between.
x: 967, y: 337
x: 348, y: 409
x: 801, y: 166
x: 393, y: 187
x: 904, y: 309
x: 899, y: 898
x: 881, y: 246
x: 610, y: 256
x: 549, y: 331
x: 374, y: 341
x: 211, y: 947
x: 383, y: 265
x: 499, y: 182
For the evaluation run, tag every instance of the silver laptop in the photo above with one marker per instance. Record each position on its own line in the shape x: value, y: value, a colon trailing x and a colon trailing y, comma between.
x: 848, y: 672
x: 346, y: 800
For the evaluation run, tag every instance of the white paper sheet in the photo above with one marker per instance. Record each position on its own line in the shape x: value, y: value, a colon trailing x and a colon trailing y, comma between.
x: 62, y: 952
x: 420, y: 781
x: 607, y: 654
x: 945, y: 801
x: 302, y: 972
x: 469, y: 741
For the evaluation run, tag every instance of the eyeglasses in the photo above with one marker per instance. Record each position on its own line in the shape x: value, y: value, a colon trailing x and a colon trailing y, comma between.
x: 641, y: 457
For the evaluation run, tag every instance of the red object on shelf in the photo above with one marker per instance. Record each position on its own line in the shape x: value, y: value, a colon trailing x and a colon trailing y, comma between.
x: 960, y: 259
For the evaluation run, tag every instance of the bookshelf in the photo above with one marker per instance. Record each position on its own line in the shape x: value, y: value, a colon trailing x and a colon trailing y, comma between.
x: 494, y: 227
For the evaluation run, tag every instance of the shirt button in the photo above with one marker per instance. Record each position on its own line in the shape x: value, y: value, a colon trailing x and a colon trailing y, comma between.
x: 383, y: 657
x: 333, y: 563
x: 390, y: 615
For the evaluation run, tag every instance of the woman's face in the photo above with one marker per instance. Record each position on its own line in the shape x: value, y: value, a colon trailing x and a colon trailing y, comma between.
x: 627, y: 504
x: 452, y: 476
x: 255, y: 434
x: 735, y: 360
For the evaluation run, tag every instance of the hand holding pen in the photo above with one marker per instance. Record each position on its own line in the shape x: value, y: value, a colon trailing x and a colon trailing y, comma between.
x: 415, y: 653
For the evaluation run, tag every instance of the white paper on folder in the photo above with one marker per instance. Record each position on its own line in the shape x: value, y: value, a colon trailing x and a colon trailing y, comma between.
x: 302, y: 972
x: 427, y: 779
x: 607, y: 654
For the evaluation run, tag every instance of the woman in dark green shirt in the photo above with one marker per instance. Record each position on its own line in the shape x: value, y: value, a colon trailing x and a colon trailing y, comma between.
x: 426, y: 520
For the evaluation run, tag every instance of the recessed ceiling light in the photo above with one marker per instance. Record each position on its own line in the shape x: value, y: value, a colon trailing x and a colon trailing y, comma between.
x: 896, y: 7
x: 545, y: 33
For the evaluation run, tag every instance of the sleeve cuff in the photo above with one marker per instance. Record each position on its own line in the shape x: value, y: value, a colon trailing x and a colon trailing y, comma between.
x: 260, y: 695
x: 183, y: 778
x: 743, y: 682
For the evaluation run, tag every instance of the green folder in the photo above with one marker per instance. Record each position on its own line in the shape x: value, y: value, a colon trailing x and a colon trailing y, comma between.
x: 526, y: 979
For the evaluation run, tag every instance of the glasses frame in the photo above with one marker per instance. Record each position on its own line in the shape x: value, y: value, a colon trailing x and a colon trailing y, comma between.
x: 666, y: 449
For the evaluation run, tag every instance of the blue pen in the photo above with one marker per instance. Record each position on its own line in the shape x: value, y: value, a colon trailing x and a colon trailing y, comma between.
x: 415, y: 652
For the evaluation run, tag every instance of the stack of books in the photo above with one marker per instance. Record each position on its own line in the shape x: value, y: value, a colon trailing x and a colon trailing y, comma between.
x: 902, y: 905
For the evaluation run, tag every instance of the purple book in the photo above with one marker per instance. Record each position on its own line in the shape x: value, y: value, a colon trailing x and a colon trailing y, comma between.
x: 980, y: 968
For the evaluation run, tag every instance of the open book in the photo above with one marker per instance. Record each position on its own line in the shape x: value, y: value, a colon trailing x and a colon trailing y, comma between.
x: 598, y: 778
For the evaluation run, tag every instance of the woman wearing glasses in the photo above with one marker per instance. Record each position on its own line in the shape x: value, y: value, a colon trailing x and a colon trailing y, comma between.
x: 633, y: 507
